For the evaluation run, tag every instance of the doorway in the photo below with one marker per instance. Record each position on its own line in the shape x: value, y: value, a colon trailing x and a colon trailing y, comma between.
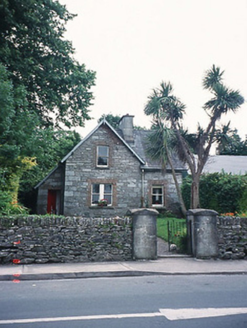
x: 53, y: 201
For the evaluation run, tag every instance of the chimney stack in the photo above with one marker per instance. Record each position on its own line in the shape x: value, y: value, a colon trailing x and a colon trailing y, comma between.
x: 126, y: 125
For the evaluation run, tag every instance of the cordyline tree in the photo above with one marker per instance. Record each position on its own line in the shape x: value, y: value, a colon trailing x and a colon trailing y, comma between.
x: 167, y: 108
x: 161, y: 147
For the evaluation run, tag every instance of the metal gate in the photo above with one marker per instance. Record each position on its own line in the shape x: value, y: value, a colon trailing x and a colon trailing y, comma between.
x: 177, y: 236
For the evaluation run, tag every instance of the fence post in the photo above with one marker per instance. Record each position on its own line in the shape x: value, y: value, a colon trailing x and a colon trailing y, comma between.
x: 168, y: 235
x: 144, y: 233
x: 203, y: 233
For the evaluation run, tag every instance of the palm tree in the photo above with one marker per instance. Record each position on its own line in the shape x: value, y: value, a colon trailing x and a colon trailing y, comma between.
x: 160, y: 147
x: 165, y: 106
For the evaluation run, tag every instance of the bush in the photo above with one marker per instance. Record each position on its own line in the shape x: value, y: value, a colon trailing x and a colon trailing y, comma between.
x: 221, y: 192
x: 7, y: 207
x: 5, y: 199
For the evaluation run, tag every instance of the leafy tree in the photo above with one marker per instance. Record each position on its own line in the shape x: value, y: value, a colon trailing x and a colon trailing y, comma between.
x: 162, y: 104
x: 38, y: 58
x: 27, y: 153
x: 111, y: 119
x: 51, y: 147
x: 17, y: 127
x: 114, y: 120
x: 42, y: 87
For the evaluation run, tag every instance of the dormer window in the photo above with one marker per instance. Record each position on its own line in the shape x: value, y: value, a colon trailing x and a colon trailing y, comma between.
x: 102, y: 156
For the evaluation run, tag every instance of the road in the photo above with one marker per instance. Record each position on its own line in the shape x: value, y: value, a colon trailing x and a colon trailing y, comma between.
x: 155, y: 301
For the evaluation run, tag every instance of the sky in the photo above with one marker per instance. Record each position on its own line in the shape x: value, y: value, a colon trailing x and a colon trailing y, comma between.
x: 134, y: 45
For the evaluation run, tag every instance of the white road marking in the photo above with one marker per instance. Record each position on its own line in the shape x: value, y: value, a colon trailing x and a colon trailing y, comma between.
x: 183, y: 314
x: 88, y: 317
x: 170, y: 314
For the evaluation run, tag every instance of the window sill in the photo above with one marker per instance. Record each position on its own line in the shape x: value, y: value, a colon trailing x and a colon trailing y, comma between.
x: 158, y: 206
x: 102, y: 207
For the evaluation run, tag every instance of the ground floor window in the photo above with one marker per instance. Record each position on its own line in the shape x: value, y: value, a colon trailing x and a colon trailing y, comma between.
x: 157, y: 196
x: 101, y: 194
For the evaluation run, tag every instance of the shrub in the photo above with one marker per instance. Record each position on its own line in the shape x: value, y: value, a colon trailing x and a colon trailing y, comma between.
x: 221, y: 192
x: 5, y: 199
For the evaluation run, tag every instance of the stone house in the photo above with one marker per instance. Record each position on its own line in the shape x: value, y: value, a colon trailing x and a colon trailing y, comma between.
x: 107, y: 173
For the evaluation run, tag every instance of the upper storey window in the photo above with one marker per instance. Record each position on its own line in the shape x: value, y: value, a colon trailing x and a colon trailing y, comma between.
x: 102, y: 156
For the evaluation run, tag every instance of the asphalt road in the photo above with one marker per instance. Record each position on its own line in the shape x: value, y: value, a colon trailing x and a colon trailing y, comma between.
x: 158, y: 301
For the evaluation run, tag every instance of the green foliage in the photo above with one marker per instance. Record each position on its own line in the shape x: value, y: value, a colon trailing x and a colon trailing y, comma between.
x: 229, y: 142
x: 5, y: 200
x: 41, y: 87
x: 7, y: 207
x: 242, y: 204
x: 38, y: 58
x: 162, y: 227
x: 177, y: 232
x: 14, y: 209
x: 111, y: 119
x: 164, y: 106
x: 222, y: 192
x: 51, y: 147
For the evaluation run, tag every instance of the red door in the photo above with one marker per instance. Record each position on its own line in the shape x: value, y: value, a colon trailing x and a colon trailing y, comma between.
x: 51, y: 201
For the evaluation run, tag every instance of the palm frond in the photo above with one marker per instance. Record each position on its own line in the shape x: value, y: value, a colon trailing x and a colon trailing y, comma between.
x: 212, y: 77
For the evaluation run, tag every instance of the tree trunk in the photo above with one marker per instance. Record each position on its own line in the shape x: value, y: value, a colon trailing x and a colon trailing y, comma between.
x: 195, y: 199
x: 180, y: 197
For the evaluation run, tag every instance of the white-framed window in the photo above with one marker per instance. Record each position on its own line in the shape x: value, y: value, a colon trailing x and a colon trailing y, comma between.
x: 102, y: 159
x: 101, y: 193
x: 157, y: 196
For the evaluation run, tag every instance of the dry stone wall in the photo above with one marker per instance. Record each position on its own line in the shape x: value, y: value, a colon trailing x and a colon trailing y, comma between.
x: 232, y: 234
x: 37, y: 239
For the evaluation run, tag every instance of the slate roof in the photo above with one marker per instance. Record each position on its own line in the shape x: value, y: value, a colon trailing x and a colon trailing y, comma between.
x: 140, y: 145
x: 92, y: 132
x: 226, y: 163
x: 137, y: 147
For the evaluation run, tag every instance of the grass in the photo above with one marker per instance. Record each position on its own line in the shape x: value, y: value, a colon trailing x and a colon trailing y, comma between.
x: 162, y: 229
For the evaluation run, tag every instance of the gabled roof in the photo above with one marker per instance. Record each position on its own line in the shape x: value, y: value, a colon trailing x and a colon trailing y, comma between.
x: 137, y: 148
x: 46, y: 177
x: 104, y: 122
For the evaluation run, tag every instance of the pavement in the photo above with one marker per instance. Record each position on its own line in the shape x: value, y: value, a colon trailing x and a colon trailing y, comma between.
x: 175, y: 265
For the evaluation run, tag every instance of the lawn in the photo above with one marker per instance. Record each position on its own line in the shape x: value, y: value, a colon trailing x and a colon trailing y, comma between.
x: 176, y: 227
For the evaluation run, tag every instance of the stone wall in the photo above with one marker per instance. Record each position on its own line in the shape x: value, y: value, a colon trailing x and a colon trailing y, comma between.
x: 232, y: 234
x: 37, y: 239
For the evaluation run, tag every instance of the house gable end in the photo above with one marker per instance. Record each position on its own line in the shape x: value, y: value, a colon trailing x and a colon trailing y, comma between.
x: 103, y: 122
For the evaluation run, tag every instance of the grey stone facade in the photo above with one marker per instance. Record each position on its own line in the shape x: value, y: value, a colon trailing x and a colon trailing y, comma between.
x: 129, y: 172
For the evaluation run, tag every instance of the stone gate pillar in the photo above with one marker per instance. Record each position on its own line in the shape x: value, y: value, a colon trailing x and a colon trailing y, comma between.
x: 202, y: 232
x: 144, y: 233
